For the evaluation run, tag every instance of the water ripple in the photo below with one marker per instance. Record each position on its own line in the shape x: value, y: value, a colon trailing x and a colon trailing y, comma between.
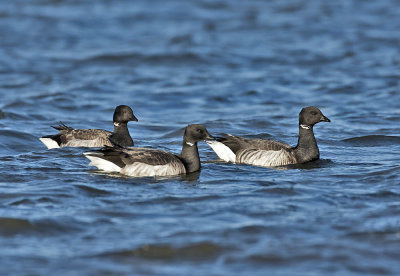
x: 240, y: 67
x: 16, y: 226
x: 373, y: 141
x: 195, y: 252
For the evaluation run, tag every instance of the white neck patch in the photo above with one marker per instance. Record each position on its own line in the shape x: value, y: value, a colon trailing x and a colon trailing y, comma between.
x: 116, y: 124
x: 190, y: 144
x: 305, y: 126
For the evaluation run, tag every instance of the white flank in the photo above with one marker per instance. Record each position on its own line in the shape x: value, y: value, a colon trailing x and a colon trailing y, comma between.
x: 223, y: 152
x: 87, y: 143
x: 264, y: 158
x: 142, y: 169
x: 101, y: 163
x: 49, y: 143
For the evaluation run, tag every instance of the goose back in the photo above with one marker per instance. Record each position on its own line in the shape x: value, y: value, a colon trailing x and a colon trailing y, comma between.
x: 70, y: 137
x: 137, y: 161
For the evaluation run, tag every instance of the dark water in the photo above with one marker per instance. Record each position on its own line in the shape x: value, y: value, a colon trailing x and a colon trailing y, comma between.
x: 241, y: 67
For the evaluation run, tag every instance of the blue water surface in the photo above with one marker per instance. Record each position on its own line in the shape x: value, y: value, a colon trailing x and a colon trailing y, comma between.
x: 240, y: 67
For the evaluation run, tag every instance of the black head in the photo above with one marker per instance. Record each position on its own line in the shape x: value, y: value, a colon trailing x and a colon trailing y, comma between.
x: 311, y: 115
x: 123, y: 114
x: 195, y: 133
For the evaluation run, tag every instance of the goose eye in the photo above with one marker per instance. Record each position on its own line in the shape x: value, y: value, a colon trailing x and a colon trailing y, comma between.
x: 313, y: 113
x: 199, y: 130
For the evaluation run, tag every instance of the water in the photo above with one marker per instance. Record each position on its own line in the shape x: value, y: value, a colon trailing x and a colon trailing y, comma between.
x: 240, y: 67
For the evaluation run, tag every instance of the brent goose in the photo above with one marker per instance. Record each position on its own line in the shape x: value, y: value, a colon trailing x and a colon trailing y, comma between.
x: 268, y: 153
x: 152, y: 162
x: 70, y: 137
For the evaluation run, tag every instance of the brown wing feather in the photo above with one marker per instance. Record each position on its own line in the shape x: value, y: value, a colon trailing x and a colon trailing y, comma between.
x: 71, y: 135
x: 143, y: 161
x: 85, y: 134
x: 236, y: 143
x: 151, y: 157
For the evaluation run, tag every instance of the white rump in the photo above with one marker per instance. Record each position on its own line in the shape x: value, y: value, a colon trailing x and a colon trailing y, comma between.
x: 100, y: 163
x: 223, y: 152
x: 49, y: 143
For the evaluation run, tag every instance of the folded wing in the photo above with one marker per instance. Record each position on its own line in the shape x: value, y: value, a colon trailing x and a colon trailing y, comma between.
x: 136, y: 161
x: 258, y: 152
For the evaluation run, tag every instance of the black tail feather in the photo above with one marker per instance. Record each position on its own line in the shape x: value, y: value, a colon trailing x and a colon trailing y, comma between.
x: 56, y: 138
x: 111, y: 154
x: 62, y: 126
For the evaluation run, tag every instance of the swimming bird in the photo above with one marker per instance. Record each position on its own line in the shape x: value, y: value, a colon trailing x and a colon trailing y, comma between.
x: 152, y: 162
x: 269, y: 153
x: 70, y: 137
